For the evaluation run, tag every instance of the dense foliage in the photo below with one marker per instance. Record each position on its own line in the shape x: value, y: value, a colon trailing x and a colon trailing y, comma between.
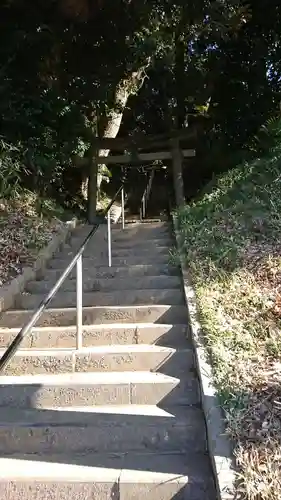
x: 72, y: 69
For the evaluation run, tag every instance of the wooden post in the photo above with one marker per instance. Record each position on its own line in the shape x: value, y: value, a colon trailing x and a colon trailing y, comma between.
x: 92, y: 190
x: 177, y: 173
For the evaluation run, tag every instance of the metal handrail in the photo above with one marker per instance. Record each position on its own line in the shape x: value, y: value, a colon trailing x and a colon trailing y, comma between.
x: 145, y: 196
x: 77, y: 259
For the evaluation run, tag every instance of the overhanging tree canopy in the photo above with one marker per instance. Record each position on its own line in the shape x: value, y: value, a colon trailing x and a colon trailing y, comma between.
x: 73, y: 69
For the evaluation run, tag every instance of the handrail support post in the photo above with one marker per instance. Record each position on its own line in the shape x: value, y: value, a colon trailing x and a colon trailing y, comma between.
x: 109, y: 238
x: 123, y: 208
x: 79, y: 303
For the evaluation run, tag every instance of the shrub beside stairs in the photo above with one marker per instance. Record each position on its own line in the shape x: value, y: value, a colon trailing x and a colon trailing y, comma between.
x: 121, y: 417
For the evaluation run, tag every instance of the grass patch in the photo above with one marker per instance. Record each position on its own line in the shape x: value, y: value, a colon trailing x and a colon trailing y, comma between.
x: 232, y: 245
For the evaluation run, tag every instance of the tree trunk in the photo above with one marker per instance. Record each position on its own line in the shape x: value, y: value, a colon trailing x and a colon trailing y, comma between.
x: 180, y: 48
x: 111, y: 129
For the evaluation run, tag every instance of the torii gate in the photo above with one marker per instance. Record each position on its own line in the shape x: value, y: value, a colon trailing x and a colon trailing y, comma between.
x: 137, y: 152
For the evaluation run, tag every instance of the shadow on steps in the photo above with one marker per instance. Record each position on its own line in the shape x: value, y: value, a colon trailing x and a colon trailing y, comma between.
x: 159, y: 449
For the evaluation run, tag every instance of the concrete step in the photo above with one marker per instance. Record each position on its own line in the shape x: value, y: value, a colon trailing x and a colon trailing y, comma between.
x: 105, y: 272
x: 115, y: 298
x: 121, y: 237
x: 88, y: 476
x: 163, y: 314
x: 101, y: 388
x: 92, y: 252
x: 132, y: 232
x: 122, y: 243
x: 114, y: 358
x: 101, y: 261
x: 130, y: 228
x: 109, y: 284
x: 100, y: 335
x: 102, y: 429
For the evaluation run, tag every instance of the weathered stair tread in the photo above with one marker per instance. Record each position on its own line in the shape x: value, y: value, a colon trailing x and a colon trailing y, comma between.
x: 107, y: 285
x: 62, y: 261
x: 139, y: 270
x: 136, y: 357
x: 120, y: 430
x: 77, y: 379
x: 90, y: 415
x: 119, y: 243
x: 127, y: 297
x: 104, y: 314
x: 126, y: 237
x: 104, y: 334
x: 101, y: 388
x: 102, y: 349
x: 117, y: 251
x: 100, y: 467
x: 98, y: 476
x: 130, y: 229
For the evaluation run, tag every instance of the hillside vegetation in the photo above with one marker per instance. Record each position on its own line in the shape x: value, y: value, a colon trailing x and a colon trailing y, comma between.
x: 27, y: 224
x: 233, y: 248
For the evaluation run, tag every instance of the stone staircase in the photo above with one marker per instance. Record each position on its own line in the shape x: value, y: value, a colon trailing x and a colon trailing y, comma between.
x: 121, y: 418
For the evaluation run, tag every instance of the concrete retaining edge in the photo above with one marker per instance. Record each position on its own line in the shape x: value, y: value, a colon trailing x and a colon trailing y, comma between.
x: 219, y: 445
x: 9, y: 292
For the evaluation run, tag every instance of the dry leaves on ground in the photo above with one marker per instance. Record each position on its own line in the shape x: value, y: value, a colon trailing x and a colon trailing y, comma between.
x: 22, y: 234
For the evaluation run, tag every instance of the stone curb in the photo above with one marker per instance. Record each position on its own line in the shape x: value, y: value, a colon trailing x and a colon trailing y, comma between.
x: 9, y: 292
x: 220, y: 448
